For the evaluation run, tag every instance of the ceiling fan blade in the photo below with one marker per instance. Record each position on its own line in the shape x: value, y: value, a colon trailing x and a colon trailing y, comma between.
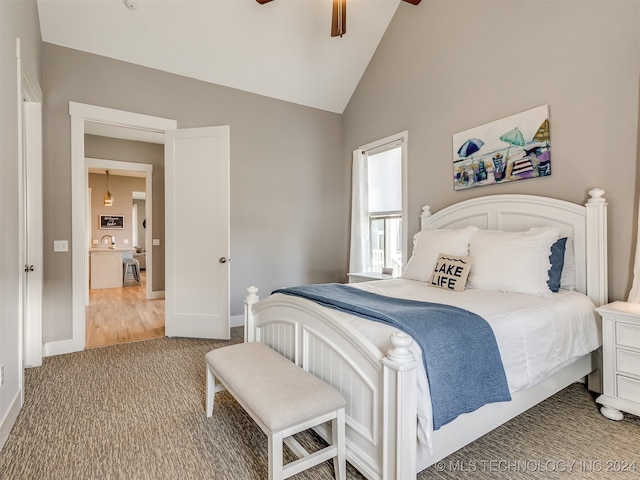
x: 339, y: 15
x: 339, y: 18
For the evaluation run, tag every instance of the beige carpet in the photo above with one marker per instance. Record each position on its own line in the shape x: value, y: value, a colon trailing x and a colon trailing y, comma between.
x: 136, y: 411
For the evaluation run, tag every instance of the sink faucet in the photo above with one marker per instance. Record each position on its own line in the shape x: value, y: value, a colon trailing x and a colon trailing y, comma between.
x: 111, y: 239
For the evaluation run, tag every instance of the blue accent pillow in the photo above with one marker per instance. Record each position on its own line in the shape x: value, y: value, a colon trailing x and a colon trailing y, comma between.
x: 557, y: 262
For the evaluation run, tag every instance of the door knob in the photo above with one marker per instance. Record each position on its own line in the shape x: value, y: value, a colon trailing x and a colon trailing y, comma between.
x: 224, y: 259
x: 29, y: 268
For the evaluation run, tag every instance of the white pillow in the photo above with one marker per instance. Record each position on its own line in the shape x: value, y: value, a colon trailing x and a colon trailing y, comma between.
x: 515, y: 262
x: 568, y: 277
x: 427, y: 246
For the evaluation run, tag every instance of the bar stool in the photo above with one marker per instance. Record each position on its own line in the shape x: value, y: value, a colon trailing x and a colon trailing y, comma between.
x: 130, y: 270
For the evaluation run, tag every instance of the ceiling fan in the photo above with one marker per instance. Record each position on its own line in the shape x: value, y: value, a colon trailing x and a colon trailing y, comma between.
x: 339, y: 15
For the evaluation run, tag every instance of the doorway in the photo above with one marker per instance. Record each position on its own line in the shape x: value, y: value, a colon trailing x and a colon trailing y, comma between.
x: 207, y: 145
x: 117, y: 120
x: 128, y: 310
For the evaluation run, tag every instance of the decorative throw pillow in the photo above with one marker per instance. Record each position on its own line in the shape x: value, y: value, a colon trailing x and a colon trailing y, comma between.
x: 427, y: 245
x: 451, y: 272
x: 557, y: 262
x: 515, y: 262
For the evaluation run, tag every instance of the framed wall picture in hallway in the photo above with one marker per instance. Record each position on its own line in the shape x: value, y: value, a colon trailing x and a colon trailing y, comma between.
x: 108, y: 222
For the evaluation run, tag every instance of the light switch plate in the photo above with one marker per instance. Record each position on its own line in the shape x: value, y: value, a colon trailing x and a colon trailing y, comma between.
x: 60, y: 245
x: 156, y: 242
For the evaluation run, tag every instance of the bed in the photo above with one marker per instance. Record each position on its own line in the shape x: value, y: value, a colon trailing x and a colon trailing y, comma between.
x: 381, y: 379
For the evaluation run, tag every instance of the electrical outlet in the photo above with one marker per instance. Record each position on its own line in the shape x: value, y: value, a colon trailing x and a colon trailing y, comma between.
x: 1, y: 375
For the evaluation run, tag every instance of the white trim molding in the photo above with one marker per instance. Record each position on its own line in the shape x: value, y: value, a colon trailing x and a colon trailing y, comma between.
x: 10, y: 418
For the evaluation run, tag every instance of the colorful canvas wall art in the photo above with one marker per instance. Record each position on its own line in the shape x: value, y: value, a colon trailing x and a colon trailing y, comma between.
x: 513, y: 148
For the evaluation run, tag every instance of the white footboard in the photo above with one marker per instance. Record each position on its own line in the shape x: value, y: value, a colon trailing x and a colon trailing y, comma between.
x: 380, y: 390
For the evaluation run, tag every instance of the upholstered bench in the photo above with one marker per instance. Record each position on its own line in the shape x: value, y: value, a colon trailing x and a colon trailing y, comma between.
x: 283, y: 399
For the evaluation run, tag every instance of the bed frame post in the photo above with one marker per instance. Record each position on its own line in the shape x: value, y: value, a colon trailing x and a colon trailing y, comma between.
x: 399, y: 410
x: 596, y: 235
x: 249, y: 327
x: 424, y: 217
x: 597, y: 266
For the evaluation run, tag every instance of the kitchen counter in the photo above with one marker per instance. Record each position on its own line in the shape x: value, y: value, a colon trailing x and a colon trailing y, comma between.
x: 106, y: 266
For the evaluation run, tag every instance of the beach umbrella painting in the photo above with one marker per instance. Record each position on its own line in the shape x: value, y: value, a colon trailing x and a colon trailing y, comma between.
x: 513, y: 138
x: 542, y: 135
x: 470, y: 147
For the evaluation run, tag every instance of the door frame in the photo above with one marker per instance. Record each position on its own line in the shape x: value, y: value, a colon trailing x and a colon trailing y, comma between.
x: 80, y: 113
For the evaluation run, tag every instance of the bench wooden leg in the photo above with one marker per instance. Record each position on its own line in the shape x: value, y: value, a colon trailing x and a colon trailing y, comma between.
x: 275, y: 456
x: 278, y: 471
x: 211, y: 391
x: 337, y: 438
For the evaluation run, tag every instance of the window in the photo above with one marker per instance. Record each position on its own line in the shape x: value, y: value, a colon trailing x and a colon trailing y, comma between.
x: 378, y: 229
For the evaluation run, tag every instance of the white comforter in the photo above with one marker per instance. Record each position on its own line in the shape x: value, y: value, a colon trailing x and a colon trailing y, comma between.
x: 536, y: 335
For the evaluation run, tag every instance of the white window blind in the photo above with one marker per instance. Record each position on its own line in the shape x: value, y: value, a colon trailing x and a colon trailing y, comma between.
x: 385, y: 181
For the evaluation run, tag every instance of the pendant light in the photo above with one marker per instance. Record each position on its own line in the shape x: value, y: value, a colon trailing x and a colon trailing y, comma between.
x: 108, y: 198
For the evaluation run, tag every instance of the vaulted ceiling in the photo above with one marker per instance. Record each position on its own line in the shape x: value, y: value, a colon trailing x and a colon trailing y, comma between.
x: 282, y: 49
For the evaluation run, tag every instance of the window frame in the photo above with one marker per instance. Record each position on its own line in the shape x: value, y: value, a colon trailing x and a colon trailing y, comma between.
x: 387, y: 256
x: 401, y: 140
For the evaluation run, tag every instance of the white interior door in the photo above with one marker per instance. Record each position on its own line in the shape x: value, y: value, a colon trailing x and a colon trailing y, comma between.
x: 32, y: 232
x: 30, y: 227
x: 197, y: 232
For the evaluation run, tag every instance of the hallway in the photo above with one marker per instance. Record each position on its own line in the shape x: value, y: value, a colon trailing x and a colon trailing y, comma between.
x: 122, y: 315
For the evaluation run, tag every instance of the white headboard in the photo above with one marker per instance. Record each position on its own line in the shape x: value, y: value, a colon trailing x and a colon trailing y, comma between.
x: 585, y: 224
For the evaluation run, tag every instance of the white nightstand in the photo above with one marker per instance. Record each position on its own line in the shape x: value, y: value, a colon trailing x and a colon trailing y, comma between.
x: 621, y: 359
x: 367, y: 276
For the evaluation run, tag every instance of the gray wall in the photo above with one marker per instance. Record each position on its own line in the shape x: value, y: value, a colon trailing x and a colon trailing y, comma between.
x: 288, y: 220
x: 17, y: 19
x: 445, y: 67
x: 139, y: 152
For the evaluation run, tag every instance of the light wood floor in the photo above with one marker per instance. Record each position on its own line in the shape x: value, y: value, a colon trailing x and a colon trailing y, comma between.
x: 121, y: 315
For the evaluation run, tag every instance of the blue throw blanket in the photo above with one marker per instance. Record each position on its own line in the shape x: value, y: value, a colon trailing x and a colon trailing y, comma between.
x: 459, y: 349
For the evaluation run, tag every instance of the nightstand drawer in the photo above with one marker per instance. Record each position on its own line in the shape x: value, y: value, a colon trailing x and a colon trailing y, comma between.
x: 628, y: 388
x: 628, y: 362
x: 627, y: 335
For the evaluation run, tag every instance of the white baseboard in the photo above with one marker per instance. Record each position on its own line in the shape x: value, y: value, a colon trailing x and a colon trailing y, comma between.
x: 156, y: 294
x: 61, y: 347
x: 10, y: 418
